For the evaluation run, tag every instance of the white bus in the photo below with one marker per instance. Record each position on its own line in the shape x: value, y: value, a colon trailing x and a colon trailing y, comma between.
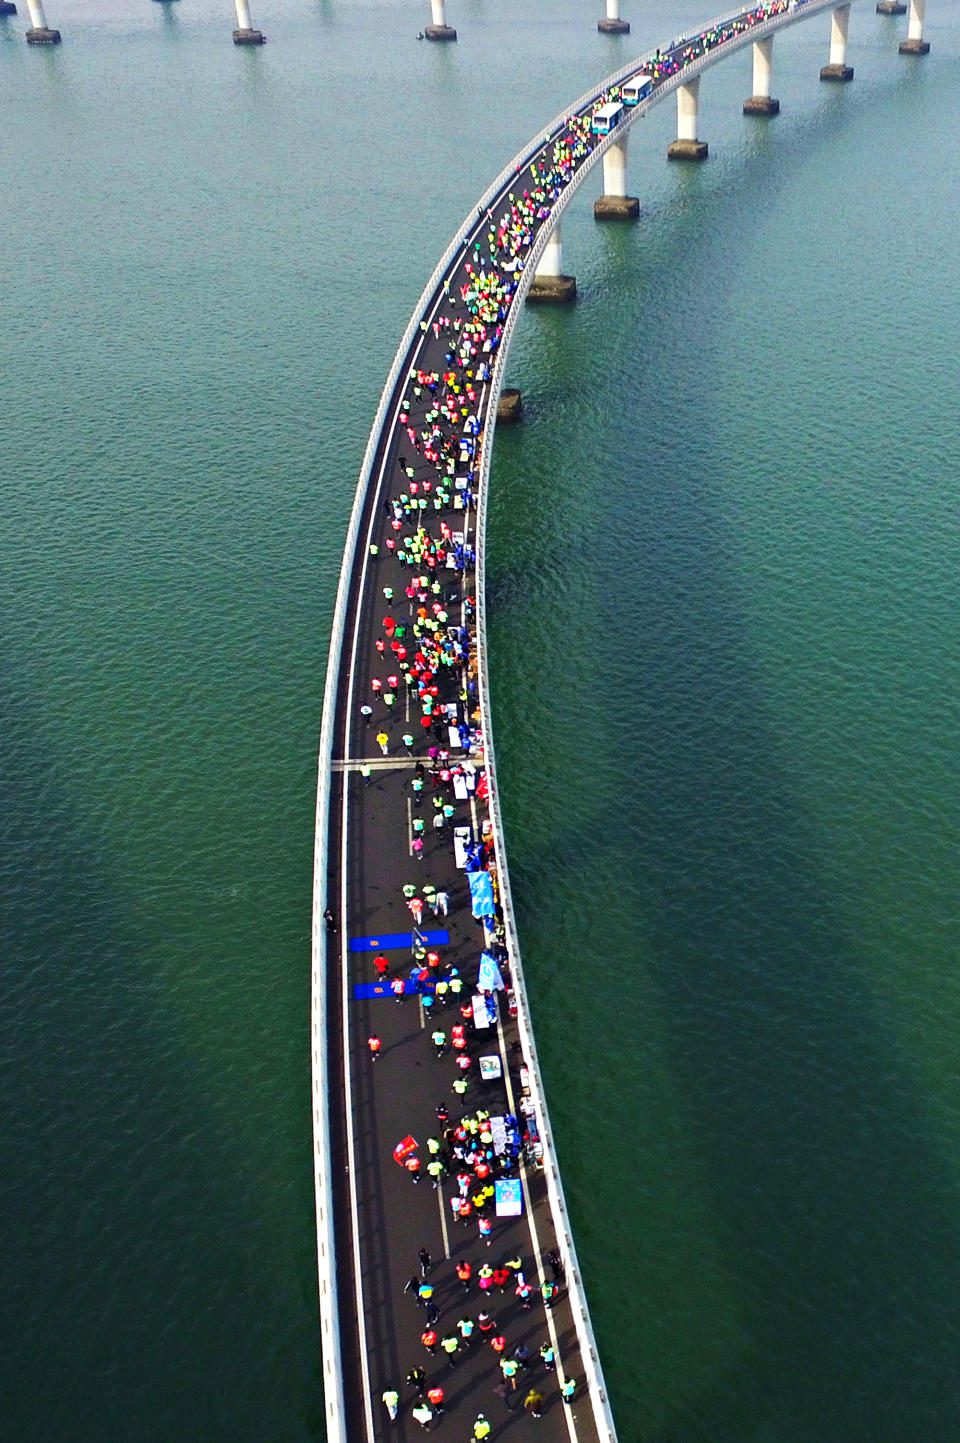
x: 637, y: 88
x: 606, y: 117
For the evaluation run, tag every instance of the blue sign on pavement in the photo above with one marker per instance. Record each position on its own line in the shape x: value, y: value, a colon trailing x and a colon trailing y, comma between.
x: 363, y: 990
x: 387, y: 940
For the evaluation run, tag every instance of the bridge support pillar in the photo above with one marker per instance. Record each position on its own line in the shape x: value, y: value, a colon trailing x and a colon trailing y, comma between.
x: 40, y: 32
x: 509, y: 407
x: 761, y: 101
x: 611, y: 24
x: 615, y: 204
x: 915, y: 43
x: 549, y: 282
x: 687, y: 146
x: 891, y: 7
x: 439, y: 29
x: 245, y: 33
x: 837, y: 68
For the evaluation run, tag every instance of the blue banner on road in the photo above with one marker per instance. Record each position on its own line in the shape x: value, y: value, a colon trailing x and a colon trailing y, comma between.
x: 386, y: 940
x: 363, y: 990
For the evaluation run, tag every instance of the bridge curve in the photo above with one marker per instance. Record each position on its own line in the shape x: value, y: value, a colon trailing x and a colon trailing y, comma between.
x: 359, y: 879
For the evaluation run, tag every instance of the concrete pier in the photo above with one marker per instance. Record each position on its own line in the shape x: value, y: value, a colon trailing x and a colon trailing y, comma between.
x: 687, y: 146
x: 439, y: 29
x: 40, y: 32
x: 509, y: 407
x: 549, y: 282
x: 615, y: 204
x: 761, y: 101
x: 837, y: 69
x: 245, y: 33
x: 915, y: 43
x: 611, y: 24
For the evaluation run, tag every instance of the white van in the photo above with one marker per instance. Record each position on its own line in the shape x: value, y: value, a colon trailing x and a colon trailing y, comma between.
x: 606, y: 117
x: 637, y: 88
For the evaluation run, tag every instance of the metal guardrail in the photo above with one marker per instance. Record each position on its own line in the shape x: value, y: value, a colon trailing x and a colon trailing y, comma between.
x: 329, y: 1312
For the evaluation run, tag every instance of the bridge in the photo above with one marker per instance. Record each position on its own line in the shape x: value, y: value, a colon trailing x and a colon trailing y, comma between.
x: 430, y: 1124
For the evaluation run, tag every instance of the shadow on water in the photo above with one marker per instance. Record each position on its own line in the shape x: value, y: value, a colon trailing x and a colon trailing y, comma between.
x: 131, y: 1222
x: 837, y: 1211
x: 169, y: 17
x: 834, y: 1203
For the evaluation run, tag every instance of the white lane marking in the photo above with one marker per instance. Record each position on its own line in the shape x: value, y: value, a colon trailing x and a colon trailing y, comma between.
x: 409, y: 828
x: 443, y: 1221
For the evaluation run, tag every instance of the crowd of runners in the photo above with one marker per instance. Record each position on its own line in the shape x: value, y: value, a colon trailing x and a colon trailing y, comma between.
x: 471, y: 1306
x: 686, y: 49
x: 424, y: 679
